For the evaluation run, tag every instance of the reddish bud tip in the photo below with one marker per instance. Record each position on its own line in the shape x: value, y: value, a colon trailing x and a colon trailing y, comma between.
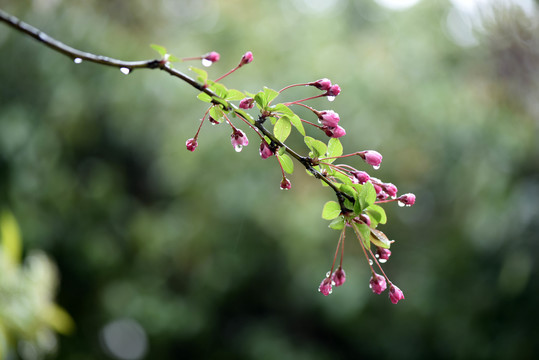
x: 383, y: 254
x: 326, y: 286
x: 339, y: 277
x: 322, y: 84
x: 395, y: 294
x: 247, y: 103
x: 265, y: 150
x: 328, y: 118
x: 407, y: 199
x: 372, y: 157
x: 212, y: 56
x: 191, y: 144
x: 246, y: 58
x: 286, y: 184
x: 238, y: 140
x: 334, y: 90
x: 390, y: 189
x: 361, y: 176
x: 334, y: 132
x: 377, y: 283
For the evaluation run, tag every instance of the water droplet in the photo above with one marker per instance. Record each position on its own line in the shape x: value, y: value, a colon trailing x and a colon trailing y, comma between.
x: 382, y: 261
x: 376, y: 255
x: 125, y: 70
x: 206, y: 62
x: 401, y: 204
x: 331, y: 98
x: 238, y: 148
x: 77, y: 60
x: 328, y: 273
x: 370, y: 262
x: 376, y: 167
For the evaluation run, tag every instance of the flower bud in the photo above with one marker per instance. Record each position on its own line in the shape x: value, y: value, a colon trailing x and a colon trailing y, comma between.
x: 326, y: 286
x: 372, y: 157
x: 191, y: 144
x: 383, y: 254
x: 246, y: 58
x: 238, y: 140
x: 328, y: 118
x: 377, y: 283
x: 390, y: 189
x: 334, y: 132
x: 361, y: 176
x: 338, y: 277
x: 247, y: 103
x: 407, y: 199
x: 212, y: 56
x: 265, y: 151
x: 334, y: 90
x: 322, y: 84
x: 286, y: 184
x: 365, y: 218
x: 395, y: 294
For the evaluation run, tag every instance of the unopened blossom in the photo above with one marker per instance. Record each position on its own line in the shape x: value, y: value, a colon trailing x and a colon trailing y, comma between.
x: 212, y: 56
x: 328, y: 118
x: 322, y: 84
x: 372, y: 157
x: 326, y: 287
x: 334, y: 90
x: 361, y: 176
x: 390, y: 189
x: 365, y: 218
x: 383, y: 254
x: 395, y: 294
x: 247, y: 103
x: 407, y: 199
x: 339, y: 277
x: 246, y: 58
x: 265, y: 150
x: 334, y: 132
x: 239, y: 139
x: 286, y: 184
x: 191, y: 144
x: 377, y: 283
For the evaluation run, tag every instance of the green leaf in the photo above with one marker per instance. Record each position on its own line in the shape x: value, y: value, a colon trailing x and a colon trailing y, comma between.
x: 217, y: 113
x: 218, y: 100
x: 334, y: 148
x: 160, y: 49
x: 282, y: 128
x: 204, y: 97
x: 347, y: 189
x: 337, y: 223
x: 331, y: 210
x: 283, y: 109
x: 380, y: 239
x: 11, y: 238
x: 317, y: 147
x: 286, y: 163
x: 270, y: 94
x: 377, y: 213
x: 234, y: 94
x: 172, y: 58
x: 296, y: 121
x: 219, y: 89
x: 367, y: 196
x: 365, y: 234
x: 261, y: 100
x: 202, y: 74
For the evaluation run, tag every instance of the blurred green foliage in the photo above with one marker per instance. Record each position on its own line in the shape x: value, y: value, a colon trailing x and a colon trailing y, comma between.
x: 204, y: 252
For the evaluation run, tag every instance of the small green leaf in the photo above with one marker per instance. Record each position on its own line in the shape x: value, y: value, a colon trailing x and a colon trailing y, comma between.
x: 160, y: 49
x: 286, y: 163
x: 377, y: 213
x: 217, y: 113
x: 334, y: 148
x: 296, y: 121
x: 365, y: 234
x: 261, y: 100
x: 331, y: 210
x: 317, y: 147
x: 283, y: 109
x: 270, y: 94
x: 234, y: 94
x: 172, y: 58
x: 219, y: 89
x: 367, y: 196
x: 202, y: 74
x: 337, y: 223
x: 282, y: 128
x: 204, y: 97
x: 218, y: 100
x: 380, y: 239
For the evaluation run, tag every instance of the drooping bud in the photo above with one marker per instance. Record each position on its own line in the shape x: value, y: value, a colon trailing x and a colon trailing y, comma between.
x: 407, y: 199
x: 238, y: 140
x: 383, y: 254
x: 365, y: 218
x: 361, y: 176
x: 372, y: 157
x: 377, y: 283
x: 334, y: 90
x: 395, y: 294
x: 339, y: 277
x: 212, y: 56
x: 322, y: 84
x: 326, y: 286
x: 265, y: 150
x: 191, y: 144
x: 328, y: 118
x: 334, y: 132
x: 286, y: 184
x: 247, y: 103
x: 390, y: 189
x: 246, y: 58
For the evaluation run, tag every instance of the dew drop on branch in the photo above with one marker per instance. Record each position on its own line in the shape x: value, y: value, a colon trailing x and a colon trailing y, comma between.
x: 370, y: 262
x: 206, y: 62
x: 125, y: 70
x: 77, y: 60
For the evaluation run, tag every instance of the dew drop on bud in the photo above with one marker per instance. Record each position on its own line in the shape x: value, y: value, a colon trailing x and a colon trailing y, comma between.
x: 206, y: 62
x: 238, y: 148
x: 376, y: 167
x: 331, y: 98
x: 328, y: 273
x: 125, y: 70
x: 77, y: 60
x: 382, y: 261
x: 370, y: 262
x: 401, y: 204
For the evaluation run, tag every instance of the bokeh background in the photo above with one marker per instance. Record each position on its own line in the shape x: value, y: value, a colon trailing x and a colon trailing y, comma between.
x: 166, y: 254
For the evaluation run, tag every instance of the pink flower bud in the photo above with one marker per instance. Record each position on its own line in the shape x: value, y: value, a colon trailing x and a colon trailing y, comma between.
x: 326, y: 286
x: 328, y: 118
x: 390, y: 189
x: 238, y: 140
x: 334, y: 132
x: 365, y: 218
x: 395, y: 294
x: 265, y: 151
x: 377, y: 188
x: 377, y: 284
x: 191, y: 144
x: 213, y: 56
x: 334, y: 90
x: 407, y: 199
x: 246, y: 58
x: 322, y: 84
x: 247, y: 103
x: 361, y: 176
x: 383, y: 254
x: 372, y: 157
x: 286, y: 184
x: 338, y: 277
